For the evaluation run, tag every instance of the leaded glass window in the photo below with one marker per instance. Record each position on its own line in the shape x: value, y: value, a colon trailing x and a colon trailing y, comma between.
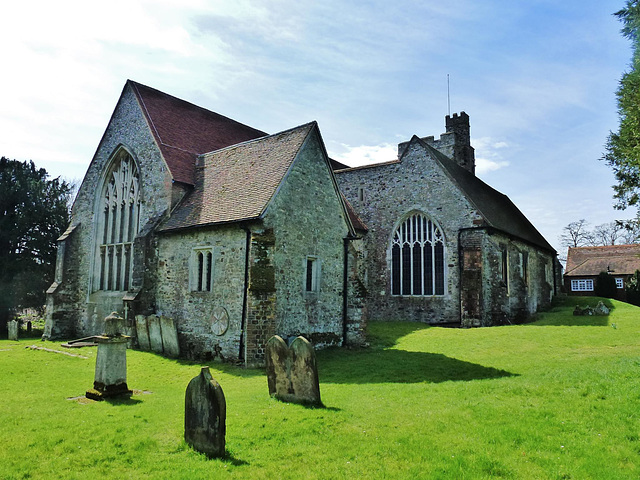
x: 118, y: 225
x: 417, y: 258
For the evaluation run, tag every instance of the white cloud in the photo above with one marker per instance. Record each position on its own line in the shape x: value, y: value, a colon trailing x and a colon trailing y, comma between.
x: 365, y: 154
x: 488, y: 154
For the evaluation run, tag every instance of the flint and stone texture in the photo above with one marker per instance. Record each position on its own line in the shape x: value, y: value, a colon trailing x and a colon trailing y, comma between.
x: 292, y: 372
x: 476, y: 291
x: 205, y: 415
x: 12, y: 327
x: 111, y: 362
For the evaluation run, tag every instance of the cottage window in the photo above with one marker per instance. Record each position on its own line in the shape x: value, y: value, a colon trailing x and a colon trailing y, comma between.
x: 118, y: 223
x: 417, y: 258
x: 619, y: 283
x: 201, y: 269
x: 524, y: 267
x: 582, y: 285
x: 311, y: 274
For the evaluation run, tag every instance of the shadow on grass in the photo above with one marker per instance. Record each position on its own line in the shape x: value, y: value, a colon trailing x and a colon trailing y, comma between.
x: 399, y: 366
x: 561, y: 313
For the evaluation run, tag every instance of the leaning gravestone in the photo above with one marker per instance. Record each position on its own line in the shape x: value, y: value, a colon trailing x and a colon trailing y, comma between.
x: 12, y: 326
x: 169, y: 337
x: 155, y: 333
x: 205, y: 414
x: 142, y: 333
x: 292, y: 373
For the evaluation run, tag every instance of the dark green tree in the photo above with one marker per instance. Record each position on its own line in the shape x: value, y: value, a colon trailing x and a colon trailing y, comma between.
x: 633, y: 289
x: 623, y: 146
x: 34, y: 210
x: 605, y: 285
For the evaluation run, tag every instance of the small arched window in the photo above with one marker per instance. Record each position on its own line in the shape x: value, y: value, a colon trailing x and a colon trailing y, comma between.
x: 417, y: 258
x: 118, y: 223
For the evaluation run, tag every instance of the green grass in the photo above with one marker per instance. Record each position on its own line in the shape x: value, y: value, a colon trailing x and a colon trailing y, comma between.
x: 555, y: 399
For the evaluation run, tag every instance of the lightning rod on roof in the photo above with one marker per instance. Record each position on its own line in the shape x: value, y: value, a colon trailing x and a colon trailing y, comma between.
x: 448, y: 97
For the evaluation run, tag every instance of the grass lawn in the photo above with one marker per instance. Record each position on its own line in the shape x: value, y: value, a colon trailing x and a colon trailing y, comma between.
x: 555, y: 399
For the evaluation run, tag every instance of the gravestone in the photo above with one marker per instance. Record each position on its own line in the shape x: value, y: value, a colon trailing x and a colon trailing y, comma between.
x: 169, y: 337
x: 292, y: 373
x: 12, y: 326
x: 205, y: 414
x: 142, y: 333
x: 155, y: 333
x: 111, y: 361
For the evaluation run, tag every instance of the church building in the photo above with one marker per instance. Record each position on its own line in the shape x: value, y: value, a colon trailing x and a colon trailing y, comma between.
x: 237, y: 235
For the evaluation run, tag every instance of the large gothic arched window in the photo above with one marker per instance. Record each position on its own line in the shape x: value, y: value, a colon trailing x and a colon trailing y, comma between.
x: 118, y: 219
x: 417, y: 258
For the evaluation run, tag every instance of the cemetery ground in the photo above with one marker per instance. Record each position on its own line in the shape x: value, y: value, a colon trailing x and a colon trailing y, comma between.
x: 558, y: 398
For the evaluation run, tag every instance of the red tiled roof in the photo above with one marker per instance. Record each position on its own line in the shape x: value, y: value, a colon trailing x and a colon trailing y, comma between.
x: 237, y: 183
x: 590, y: 261
x: 184, y: 130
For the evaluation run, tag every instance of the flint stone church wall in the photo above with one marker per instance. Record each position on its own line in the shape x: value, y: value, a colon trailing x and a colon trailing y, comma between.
x: 78, y: 312
x: 386, y: 195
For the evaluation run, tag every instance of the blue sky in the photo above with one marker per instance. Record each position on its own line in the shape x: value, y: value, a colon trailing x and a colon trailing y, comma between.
x: 537, y: 79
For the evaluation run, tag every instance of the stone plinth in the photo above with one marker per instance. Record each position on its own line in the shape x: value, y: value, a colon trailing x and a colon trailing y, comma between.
x: 111, y: 362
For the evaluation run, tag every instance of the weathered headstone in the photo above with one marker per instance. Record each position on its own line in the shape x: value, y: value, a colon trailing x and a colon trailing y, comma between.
x: 169, y: 337
x: 205, y: 415
x: 155, y: 333
x: 111, y: 361
x: 12, y: 326
x: 601, y: 309
x: 304, y: 372
x: 292, y: 373
x: 142, y: 333
x: 278, y: 364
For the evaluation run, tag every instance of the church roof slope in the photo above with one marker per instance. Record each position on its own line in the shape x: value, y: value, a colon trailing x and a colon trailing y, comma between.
x: 237, y: 183
x: 497, y: 209
x: 184, y: 130
x: 590, y: 261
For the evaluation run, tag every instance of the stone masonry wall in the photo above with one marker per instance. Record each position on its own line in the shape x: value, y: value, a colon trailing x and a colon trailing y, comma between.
x: 384, y: 196
x: 308, y: 221
x: 193, y: 310
x: 79, y: 311
x: 525, y: 292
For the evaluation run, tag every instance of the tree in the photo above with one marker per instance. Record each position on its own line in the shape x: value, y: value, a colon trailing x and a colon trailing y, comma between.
x: 34, y: 210
x: 606, y: 234
x: 623, y: 146
x: 575, y: 234
x: 605, y: 285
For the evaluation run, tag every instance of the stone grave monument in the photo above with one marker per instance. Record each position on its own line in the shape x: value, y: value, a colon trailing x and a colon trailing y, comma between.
x: 205, y: 415
x: 12, y: 326
x: 111, y: 361
x: 292, y: 372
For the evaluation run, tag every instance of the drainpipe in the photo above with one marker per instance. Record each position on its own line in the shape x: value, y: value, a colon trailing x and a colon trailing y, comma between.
x: 245, y: 296
x: 345, y: 287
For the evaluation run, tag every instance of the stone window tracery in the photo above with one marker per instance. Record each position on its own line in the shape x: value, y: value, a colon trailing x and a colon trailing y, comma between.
x: 118, y: 224
x: 201, y: 269
x: 417, y: 258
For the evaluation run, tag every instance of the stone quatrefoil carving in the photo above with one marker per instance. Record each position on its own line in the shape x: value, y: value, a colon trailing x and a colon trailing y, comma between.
x: 292, y: 372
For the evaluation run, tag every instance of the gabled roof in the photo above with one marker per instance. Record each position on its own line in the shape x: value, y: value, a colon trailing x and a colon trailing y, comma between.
x: 183, y: 130
x: 590, y: 261
x: 497, y: 209
x: 238, y: 182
